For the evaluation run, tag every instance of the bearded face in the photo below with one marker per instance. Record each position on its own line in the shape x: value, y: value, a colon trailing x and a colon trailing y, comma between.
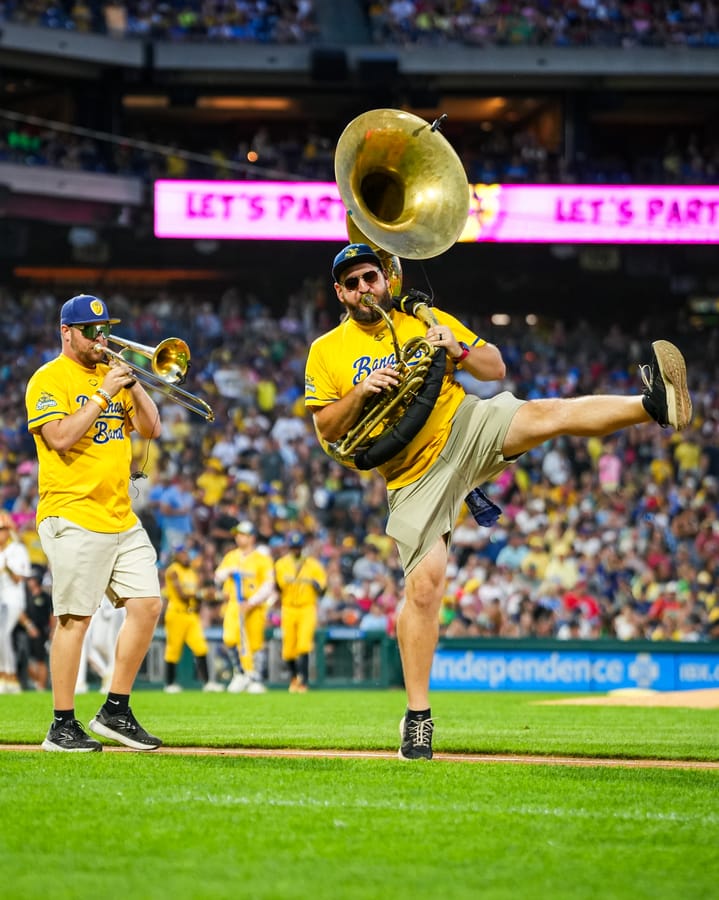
x: 82, y: 349
x: 353, y: 299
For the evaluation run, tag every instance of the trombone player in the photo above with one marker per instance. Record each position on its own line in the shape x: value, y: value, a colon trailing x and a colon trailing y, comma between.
x: 464, y: 441
x: 81, y: 412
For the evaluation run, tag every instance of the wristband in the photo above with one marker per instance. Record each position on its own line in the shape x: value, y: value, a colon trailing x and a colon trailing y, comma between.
x: 101, y: 402
x: 463, y: 355
x: 105, y: 395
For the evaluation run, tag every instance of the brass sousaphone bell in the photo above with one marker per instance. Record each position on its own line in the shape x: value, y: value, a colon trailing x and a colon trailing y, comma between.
x: 403, y: 186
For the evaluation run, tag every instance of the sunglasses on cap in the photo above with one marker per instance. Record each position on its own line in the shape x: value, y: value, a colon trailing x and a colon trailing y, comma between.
x: 92, y: 331
x: 369, y: 277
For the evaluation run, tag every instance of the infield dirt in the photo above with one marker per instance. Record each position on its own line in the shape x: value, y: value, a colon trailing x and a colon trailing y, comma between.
x: 704, y: 699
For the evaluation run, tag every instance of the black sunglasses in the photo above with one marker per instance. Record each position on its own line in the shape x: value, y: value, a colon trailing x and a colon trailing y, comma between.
x: 369, y: 278
x: 92, y: 331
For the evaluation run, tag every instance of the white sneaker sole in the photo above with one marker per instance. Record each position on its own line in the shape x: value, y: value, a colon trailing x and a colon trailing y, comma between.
x: 48, y: 745
x: 98, y: 728
x: 401, y: 735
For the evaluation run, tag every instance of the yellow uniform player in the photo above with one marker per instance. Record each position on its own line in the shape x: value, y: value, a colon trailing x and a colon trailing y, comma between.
x: 301, y: 579
x: 182, y: 622
x: 246, y: 576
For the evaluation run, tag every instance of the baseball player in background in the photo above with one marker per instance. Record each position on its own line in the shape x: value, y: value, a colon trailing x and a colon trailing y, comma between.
x: 182, y: 622
x: 301, y: 579
x: 247, y: 578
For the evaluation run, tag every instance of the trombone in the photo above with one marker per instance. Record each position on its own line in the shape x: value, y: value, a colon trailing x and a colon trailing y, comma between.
x: 169, y: 361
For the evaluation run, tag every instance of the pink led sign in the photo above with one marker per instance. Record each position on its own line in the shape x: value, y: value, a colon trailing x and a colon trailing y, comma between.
x: 569, y: 214
x: 594, y: 214
x: 249, y: 210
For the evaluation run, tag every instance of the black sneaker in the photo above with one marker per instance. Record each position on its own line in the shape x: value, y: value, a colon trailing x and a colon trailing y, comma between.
x: 666, y: 397
x: 416, y: 735
x: 124, y: 728
x: 70, y: 737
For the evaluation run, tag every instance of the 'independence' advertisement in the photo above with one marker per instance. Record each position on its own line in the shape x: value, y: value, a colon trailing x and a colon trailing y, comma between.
x: 570, y: 670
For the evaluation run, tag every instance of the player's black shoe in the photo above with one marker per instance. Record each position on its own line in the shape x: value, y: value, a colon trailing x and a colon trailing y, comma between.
x: 70, y: 737
x: 416, y: 735
x: 124, y: 728
x: 666, y: 397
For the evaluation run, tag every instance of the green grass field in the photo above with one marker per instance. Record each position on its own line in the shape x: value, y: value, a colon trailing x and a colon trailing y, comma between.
x: 134, y: 825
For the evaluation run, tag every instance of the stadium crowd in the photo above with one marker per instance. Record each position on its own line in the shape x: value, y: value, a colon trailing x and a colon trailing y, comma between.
x: 249, y: 21
x: 600, y: 538
x: 625, y: 24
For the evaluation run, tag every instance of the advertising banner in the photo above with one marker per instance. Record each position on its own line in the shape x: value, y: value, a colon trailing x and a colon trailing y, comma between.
x: 501, y: 213
x: 571, y: 670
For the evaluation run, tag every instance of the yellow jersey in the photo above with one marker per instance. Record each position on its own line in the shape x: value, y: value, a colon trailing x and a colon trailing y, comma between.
x: 244, y: 573
x: 341, y: 358
x: 184, y: 599
x: 87, y: 484
x: 300, y: 579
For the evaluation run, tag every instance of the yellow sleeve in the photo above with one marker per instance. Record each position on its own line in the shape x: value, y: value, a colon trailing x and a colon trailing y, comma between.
x: 320, y: 387
x: 46, y: 398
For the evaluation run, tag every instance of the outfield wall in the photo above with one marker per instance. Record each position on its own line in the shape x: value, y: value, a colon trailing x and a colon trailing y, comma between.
x: 347, y: 658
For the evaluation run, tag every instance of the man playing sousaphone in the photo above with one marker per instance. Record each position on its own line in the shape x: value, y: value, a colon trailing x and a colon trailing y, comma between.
x: 463, y: 442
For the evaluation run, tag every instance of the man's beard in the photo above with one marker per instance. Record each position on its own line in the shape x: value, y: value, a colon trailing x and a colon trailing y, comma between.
x: 87, y: 357
x: 364, y: 314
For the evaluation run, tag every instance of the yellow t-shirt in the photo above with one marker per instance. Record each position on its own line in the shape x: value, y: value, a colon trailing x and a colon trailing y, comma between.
x: 213, y: 485
x: 688, y: 454
x: 185, y: 599
x: 87, y: 484
x: 299, y: 579
x: 341, y: 358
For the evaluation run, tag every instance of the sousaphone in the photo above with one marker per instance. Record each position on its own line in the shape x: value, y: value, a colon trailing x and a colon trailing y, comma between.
x: 406, y: 195
x: 404, y: 188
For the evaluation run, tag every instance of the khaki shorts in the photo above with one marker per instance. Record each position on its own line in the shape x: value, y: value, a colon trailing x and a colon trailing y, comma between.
x: 421, y: 512
x: 87, y: 564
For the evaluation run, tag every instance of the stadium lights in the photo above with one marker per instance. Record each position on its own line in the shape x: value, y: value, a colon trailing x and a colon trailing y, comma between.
x: 146, y: 101
x: 265, y: 104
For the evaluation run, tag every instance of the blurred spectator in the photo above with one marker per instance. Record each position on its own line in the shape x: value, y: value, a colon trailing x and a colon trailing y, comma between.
x: 14, y: 572
x: 375, y: 619
x: 33, y: 633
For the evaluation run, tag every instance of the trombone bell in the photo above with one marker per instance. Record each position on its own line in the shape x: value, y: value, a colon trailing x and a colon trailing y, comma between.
x: 169, y: 362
